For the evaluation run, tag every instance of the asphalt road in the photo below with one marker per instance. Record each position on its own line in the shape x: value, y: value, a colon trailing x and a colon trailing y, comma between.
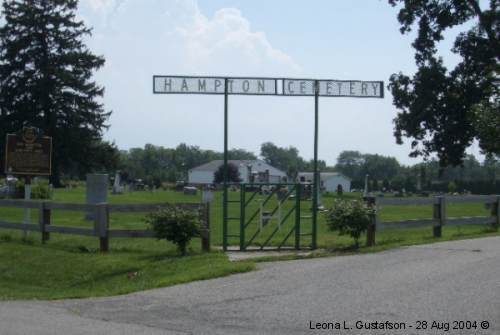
x: 445, y: 282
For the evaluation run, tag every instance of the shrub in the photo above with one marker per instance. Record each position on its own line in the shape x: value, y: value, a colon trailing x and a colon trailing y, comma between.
x: 349, y: 218
x: 5, y: 238
x: 174, y: 224
x: 39, y: 190
x: 452, y: 187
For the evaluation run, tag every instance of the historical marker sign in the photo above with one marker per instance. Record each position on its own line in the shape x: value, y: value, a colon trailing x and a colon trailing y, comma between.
x: 28, y: 153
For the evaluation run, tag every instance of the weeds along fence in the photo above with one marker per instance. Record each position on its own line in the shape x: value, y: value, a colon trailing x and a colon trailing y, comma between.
x: 100, y: 214
x: 440, y: 213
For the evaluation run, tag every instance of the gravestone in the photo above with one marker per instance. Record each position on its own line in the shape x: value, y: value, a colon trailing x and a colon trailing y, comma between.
x: 11, y: 186
x: 97, y: 191
x: 207, y: 196
x: 117, y: 188
x: 190, y: 190
x: 4, y: 191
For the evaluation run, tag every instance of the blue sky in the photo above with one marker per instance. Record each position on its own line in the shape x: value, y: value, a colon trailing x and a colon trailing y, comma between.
x: 324, y: 39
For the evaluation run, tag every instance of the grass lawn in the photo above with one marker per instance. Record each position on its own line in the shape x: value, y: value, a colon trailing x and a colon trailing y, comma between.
x: 70, y: 266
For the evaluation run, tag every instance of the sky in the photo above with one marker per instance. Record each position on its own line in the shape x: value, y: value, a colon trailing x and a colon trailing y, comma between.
x: 320, y: 39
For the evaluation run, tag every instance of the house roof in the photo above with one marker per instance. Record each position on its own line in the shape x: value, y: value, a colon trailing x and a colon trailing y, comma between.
x: 257, y: 165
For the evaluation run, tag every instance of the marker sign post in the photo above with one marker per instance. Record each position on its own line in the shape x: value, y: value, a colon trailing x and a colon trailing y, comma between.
x: 28, y: 154
x: 285, y: 87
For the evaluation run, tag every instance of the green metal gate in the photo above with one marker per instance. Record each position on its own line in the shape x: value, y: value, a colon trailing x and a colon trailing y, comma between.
x: 266, y: 216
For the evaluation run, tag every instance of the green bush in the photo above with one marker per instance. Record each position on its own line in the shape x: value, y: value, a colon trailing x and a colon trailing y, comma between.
x: 349, y: 218
x: 39, y: 190
x: 175, y: 224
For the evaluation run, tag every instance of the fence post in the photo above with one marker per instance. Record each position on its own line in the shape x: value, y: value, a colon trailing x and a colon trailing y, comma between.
x: 44, y: 215
x: 297, y: 215
x: 439, y: 214
x: 372, y: 228
x: 242, y: 216
x: 495, y: 211
x: 205, y: 229
x: 102, y: 225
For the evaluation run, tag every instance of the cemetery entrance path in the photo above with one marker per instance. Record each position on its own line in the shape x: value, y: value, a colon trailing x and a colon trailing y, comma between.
x: 426, y: 283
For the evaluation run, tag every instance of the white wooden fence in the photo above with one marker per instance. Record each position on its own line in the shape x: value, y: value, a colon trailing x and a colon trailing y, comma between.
x: 440, y: 213
x: 101, y: 213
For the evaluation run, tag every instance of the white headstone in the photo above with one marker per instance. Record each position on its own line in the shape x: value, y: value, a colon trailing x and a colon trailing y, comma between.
x: 117, y: 188
x: 207, y: 196
x: 97, y: 190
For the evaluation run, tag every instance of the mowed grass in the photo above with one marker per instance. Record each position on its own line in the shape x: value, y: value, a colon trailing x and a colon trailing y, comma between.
x: 71, y: 266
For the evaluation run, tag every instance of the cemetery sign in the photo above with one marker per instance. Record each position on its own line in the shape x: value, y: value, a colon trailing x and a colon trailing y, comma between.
x: 28, y: 153
x: 267, y: 86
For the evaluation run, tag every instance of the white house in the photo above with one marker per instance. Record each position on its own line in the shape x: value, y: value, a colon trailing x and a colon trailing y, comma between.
x: 329, y: 181
x: 255, y: 171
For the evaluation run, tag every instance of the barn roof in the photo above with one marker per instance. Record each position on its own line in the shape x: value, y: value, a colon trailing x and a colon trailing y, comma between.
x: 257, y: 165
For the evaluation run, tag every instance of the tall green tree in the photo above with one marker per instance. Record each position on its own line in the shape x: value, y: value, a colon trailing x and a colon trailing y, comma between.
x: 356, y: 165
x: 241, y: 154
x: 287, y: 159
x: 233, y: 174
x: 444, y: 110
x: 46, y: 79
x: 349, y: 163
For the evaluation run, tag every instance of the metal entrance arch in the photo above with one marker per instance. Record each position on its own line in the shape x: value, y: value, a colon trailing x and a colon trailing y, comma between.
x: 173, y: 84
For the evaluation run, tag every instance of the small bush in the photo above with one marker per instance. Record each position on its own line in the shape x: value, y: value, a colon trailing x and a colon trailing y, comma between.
x: 174, y: 224
x: 28, y: 240
x: 39, y: 190
x: 349, y: 218
x: 5, y: 238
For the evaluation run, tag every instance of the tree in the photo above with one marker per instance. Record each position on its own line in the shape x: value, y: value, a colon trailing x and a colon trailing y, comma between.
x: 444, y: 111
x: 233, y: 175
x: 349, y: 163
x: 105, y: 158
x: 45, y: 79
x: 379, y: 167
x: 241, y: 154
x: 356, y: 165
x: 285, y: 159
x: 486, y: 120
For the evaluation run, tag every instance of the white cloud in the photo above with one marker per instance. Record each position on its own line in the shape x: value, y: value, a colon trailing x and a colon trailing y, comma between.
x: 228, y: 36
x: 177, y: 29
x: 146, y: 37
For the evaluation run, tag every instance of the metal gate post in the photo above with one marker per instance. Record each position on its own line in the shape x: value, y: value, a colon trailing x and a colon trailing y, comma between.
x: 242, y: 216
x: 316, y: 175
x: 225, y: 195
x: 297, y: 216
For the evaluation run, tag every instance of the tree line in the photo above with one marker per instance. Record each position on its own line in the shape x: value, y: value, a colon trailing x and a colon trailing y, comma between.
x: 386, y: 173
x: 156, y: 164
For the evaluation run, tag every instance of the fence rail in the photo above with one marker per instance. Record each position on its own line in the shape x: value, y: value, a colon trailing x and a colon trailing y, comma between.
x: 440, y: 214
x: 100, y: 214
